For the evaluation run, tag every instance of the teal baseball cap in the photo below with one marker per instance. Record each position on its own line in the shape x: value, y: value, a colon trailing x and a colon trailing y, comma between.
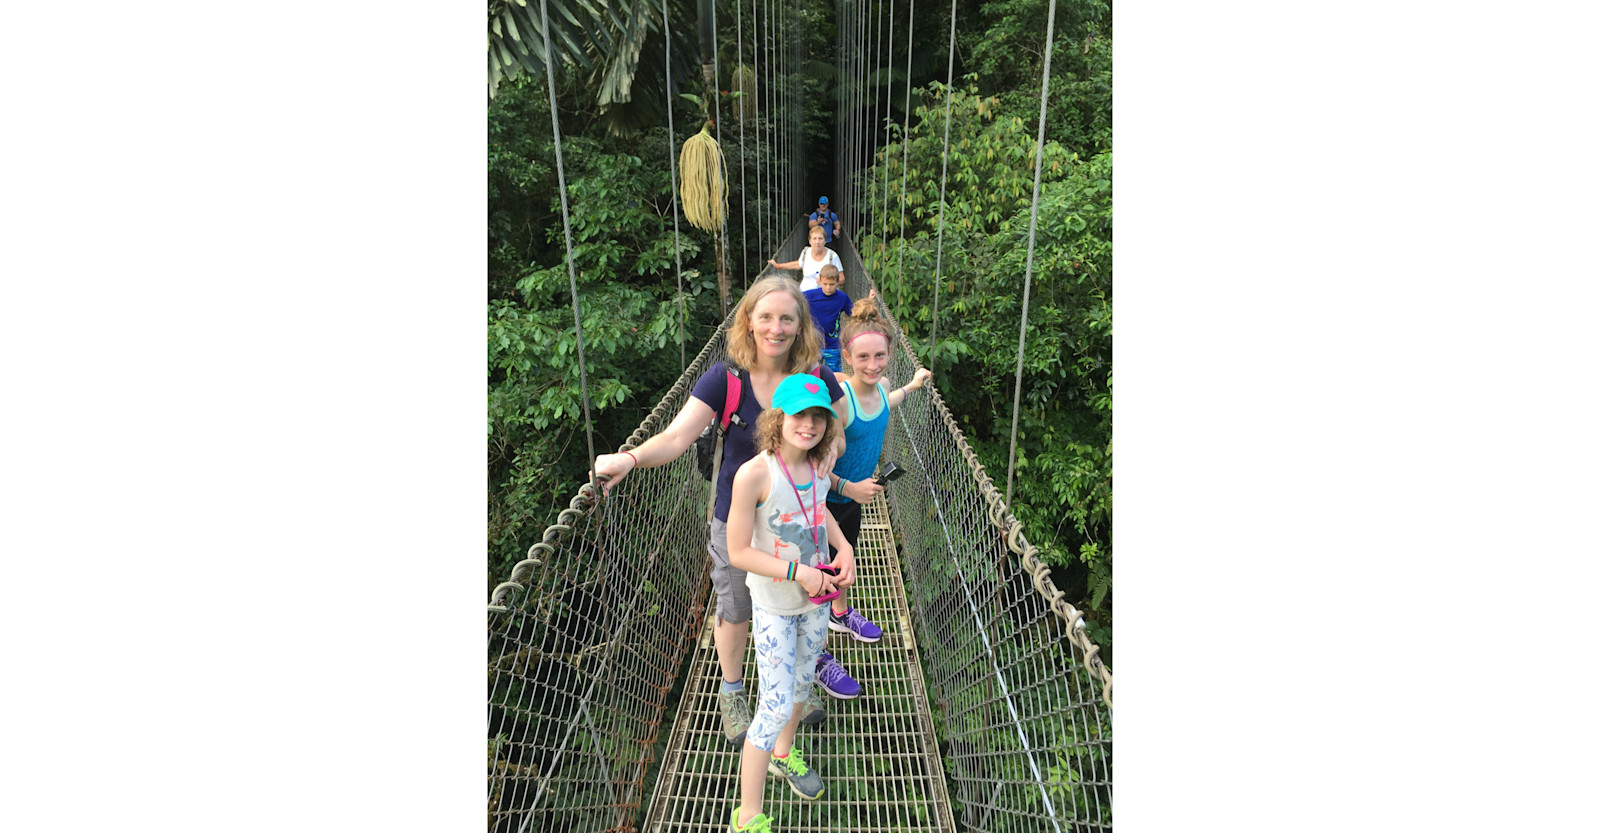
x: 799, y: 392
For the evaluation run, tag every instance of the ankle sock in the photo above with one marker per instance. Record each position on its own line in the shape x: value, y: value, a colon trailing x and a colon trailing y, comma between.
x: 838, y: 617
x: 733, y: 687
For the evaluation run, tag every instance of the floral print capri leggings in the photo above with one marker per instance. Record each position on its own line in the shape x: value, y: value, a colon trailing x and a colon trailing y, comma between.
x: 787, y: 648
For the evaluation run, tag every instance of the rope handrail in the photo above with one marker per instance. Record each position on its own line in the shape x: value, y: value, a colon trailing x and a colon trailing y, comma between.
x: 579, y: 685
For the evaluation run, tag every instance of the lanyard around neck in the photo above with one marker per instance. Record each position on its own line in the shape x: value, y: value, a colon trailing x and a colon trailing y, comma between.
x: 811, y: 519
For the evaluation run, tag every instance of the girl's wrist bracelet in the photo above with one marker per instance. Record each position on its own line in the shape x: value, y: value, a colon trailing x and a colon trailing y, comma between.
x: 633, y: 458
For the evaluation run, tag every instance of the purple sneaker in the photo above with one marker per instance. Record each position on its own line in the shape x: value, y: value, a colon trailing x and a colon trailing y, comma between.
x: 852, y: 622
x: 833, y: 679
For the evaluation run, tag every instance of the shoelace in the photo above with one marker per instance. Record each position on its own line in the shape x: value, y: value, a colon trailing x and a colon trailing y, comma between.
x: 794, y: 763
x: 760, y: 824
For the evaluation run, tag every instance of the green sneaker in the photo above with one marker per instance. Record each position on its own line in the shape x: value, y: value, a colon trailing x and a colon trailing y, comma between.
x: 805, y: 781
x: 735, y: 708
x: 759, y: 824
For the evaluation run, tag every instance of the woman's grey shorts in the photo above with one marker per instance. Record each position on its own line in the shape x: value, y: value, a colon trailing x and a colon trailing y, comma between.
x: 733, y: 595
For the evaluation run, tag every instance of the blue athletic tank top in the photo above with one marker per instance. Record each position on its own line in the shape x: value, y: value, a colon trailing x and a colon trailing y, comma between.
x: 863, y: 440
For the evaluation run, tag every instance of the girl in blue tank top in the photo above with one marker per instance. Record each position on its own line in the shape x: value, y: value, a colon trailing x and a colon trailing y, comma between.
x: 865, y: 345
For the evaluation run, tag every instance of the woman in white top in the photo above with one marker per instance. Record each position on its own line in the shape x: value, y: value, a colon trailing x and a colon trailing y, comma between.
x: 812, y: 260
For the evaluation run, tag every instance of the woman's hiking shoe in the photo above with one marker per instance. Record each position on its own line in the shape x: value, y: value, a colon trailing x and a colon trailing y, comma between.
x: 735, y: 708
x: 805, y: 781
x: 817, y: 712
x: 860, y: 628
x: 833, y: 679
x: 760, y: 824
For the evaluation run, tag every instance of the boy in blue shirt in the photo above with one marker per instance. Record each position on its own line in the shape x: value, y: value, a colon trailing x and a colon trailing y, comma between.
x: 825, y: 219
x: 828, y: 304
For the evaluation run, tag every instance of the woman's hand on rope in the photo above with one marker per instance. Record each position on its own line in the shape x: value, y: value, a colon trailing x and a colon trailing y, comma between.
x: 814, y: 581
x: 613, y: 467
x: 845, y: 563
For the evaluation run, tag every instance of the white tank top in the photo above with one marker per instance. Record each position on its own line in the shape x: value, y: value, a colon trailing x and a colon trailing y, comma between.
x: 781, y: 529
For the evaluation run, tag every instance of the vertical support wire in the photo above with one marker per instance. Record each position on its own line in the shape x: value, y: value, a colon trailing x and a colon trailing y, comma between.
x: 905, y: 164
x: 744, y: 112
x: 938, y: 256
x: 856, y: 62
x: 870, y: 129
x: 888, y: 116
x: 672, y: 165
x: 755, y: 68
x: 841, y: 171
x: 1033, y: 226
x: 566, y: 227
x: 716, y: 95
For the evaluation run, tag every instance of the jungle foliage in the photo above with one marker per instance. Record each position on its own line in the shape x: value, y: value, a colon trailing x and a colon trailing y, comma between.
x: 620, y: 200
x: 1062, y: 488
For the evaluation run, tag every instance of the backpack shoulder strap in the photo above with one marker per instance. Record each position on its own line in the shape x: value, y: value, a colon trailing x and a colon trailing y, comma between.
x: 735, y: 390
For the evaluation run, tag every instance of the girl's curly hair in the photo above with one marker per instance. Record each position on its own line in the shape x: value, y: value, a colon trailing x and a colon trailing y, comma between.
x: 769, y: 433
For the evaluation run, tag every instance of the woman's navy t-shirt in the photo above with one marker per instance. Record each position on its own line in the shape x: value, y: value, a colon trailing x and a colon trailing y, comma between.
x: 738, y: 446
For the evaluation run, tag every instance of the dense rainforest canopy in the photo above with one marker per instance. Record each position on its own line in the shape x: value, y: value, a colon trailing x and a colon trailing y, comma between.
x: 611, y: 96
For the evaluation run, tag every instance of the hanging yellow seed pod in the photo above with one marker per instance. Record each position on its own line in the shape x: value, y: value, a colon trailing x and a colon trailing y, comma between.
x: 745, y: 82
x: 704, y: 196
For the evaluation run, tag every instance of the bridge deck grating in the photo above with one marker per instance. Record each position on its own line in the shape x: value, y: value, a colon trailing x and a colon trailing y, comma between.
x: 877, y: 753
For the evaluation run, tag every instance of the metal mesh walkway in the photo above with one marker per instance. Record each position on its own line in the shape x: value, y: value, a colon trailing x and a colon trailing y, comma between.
x: 998, y: 689
x: 876, y: 753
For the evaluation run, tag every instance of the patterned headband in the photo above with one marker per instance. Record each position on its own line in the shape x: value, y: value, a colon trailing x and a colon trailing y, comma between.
x: 862, y: 333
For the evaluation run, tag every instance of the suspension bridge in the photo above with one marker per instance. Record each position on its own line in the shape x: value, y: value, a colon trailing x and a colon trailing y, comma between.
x: 986, y: 707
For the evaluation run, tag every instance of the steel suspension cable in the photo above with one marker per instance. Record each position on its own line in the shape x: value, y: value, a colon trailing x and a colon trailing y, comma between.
x: 905, y: 161
x: 982, y: 631
x: 847, y: 91
x: 863, y: 21
x: 938, y: 256
x: 744, y: 111
x: 1033, y: 226
x: 871, y: 128
x: 888, y: 116
x: 772, y: 141
x: 716, y: 95
x: 566, y: 227
x: 672, y: 166
x: 755, y: 125
x: 839, y: 106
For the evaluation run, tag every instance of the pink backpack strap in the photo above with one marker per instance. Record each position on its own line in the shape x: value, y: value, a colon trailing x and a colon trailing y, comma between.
x: 731, y: 403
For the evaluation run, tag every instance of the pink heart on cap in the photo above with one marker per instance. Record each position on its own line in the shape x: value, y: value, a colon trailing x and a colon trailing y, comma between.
x: 812, y: 387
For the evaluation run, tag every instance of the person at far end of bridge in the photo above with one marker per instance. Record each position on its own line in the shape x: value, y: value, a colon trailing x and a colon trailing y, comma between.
x: 811, y: 261
x: 865, y: 420
x: 829, y: 307
x: 824, y: 219
x: 779, y: 532
x: 771, y: 337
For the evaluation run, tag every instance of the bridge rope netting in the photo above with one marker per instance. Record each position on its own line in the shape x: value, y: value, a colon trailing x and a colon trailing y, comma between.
x: 597, y: 643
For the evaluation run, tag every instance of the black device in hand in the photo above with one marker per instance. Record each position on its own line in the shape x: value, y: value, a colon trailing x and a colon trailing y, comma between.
x: 890, y: 472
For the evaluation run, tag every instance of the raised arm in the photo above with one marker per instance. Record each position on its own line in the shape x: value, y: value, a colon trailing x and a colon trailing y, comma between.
x: 793, y: 264
x: 661, y: 449
x: 918, y: 379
